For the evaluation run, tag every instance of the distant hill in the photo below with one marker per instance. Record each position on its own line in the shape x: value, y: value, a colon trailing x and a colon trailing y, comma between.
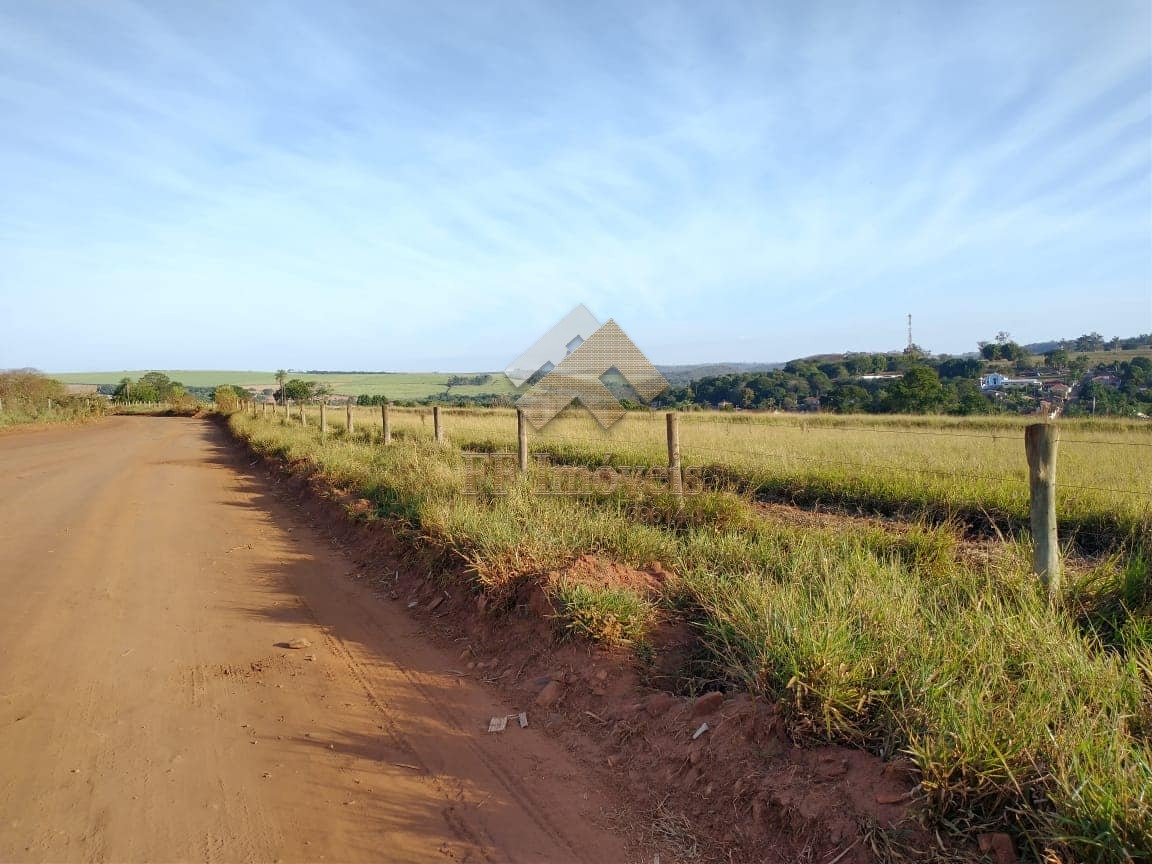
x: 678, y: 376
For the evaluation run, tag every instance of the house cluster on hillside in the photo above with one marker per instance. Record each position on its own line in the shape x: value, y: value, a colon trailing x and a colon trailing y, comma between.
x: 1049, y: 394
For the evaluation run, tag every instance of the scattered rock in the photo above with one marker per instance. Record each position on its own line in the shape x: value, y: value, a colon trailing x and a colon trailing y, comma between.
x: 1000, y: 845
x: 550, y: 694
x: 707, y: 703
x: 310, y: 657
x: 297, y: 643
x: 659, y: 703
x: 436, y: 601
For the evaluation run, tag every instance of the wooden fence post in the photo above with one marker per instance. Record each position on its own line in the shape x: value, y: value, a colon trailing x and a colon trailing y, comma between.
x: 521, y: 441
x: 437, y: 426
x: 303, y: 416
x: 323, y: 419
x: 675, y: 478
x: 384, y: 420
x: 348, y: 408
x: 1040, y: 445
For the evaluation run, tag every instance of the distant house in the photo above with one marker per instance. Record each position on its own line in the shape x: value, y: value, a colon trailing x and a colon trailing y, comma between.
x: 992, y: 381
x: 1106, y: 380
x: 81, y: 389
x: 1057, y: 389
x: 996, y: 381
x: 882, y: 376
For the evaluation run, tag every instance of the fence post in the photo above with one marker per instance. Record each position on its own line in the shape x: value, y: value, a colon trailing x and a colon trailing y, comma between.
x: 303, y: 416
x: 348, y: 407
x: 675, y: 479
x: 1040, y: 445
x: 521, y: 441
x: 437, y: 426
x: 285, y: 408
x: 323, y: 420
x: 384, y: 420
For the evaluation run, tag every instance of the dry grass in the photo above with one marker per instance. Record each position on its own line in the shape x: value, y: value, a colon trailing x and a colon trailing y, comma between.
x: 967, y: 469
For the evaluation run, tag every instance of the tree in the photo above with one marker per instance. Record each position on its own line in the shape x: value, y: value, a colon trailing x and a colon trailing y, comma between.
x: 1089, y: 342
x: 281, y: 377
x: 918, y: 392
x: 849, y: 399
x: 298, y: 390
x: 1057, y: 358
x: 969, y: 399
x: 226, y: 399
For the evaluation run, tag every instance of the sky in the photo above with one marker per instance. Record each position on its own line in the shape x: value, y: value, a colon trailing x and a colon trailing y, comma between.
x: 430, y: 186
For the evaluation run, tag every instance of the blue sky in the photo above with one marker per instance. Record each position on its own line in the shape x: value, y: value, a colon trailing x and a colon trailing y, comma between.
x: 354, y: 185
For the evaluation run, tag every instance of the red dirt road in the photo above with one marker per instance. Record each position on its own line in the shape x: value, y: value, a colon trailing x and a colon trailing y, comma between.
x: 146, y: 713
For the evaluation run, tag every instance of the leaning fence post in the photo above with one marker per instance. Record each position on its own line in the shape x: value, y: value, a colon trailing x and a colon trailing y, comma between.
x: 675, y: 479
x: 348, y: 408
x: 437, y: 426
x: 1040, y: 445
x: 323, y: 420
x: 521, y: 441
x: 384, y: 420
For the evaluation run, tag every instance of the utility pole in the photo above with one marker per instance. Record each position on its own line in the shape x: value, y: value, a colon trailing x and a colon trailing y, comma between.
x: 910, y: 343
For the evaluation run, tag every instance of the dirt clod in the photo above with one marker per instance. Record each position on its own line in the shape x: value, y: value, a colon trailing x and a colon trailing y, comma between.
x: 707, y: 703
x: 658, y: 704
x: 551, y: 693
x: 297, y: 643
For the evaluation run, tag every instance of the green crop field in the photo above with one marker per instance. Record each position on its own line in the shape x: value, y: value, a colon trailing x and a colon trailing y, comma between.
x: 1021, y: 712
x: 394, y: 385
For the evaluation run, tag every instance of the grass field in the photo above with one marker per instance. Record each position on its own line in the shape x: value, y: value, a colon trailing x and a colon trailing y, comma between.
x: 394, y: 385
x: 968, y: 469
x: 1020, y: 713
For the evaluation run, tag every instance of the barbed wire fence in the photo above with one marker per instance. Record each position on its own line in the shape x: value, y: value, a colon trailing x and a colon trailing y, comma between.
x: 659, y: 439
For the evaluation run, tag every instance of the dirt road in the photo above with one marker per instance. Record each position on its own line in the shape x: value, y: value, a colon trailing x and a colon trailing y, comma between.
x: 146, y: 713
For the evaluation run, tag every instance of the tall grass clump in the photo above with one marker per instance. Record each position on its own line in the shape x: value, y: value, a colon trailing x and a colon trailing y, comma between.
x: 1009, y: 711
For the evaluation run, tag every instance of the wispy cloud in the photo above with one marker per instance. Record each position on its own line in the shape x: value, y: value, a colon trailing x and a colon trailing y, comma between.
x: 435, y: 185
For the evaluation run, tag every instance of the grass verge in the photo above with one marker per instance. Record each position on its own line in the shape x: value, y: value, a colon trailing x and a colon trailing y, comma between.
x: 1019, y: 713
